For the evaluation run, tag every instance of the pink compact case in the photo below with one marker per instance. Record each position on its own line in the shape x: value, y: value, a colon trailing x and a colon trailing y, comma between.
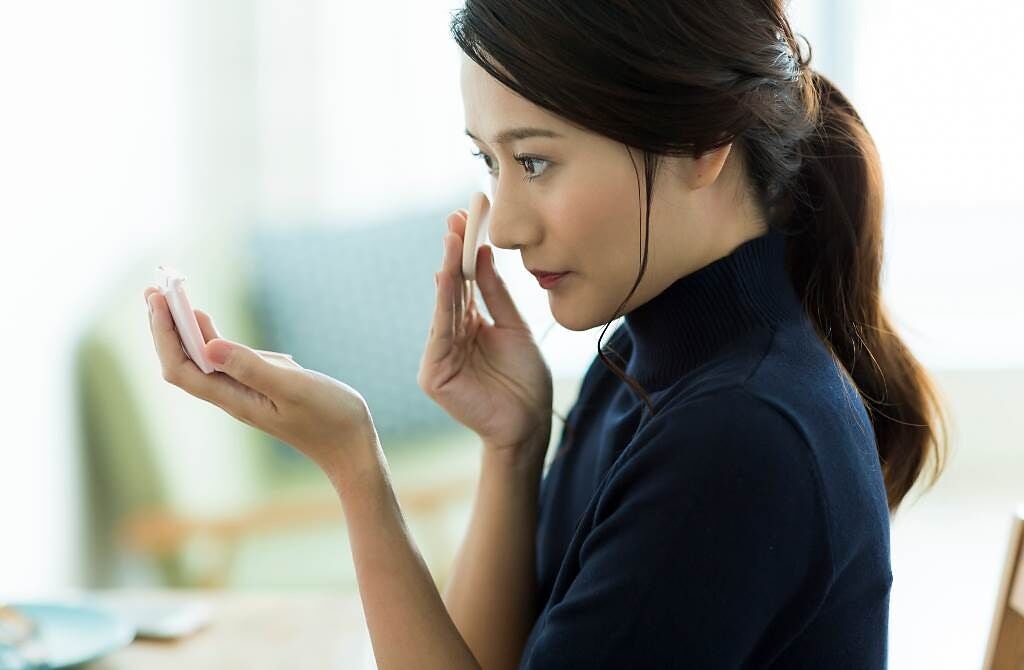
x: 172, y: 285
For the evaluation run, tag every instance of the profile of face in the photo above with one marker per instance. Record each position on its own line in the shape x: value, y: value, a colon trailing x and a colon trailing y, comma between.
x: 570, y: 201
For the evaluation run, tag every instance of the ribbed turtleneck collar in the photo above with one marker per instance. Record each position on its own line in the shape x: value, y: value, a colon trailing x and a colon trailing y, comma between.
x: 698, y: 314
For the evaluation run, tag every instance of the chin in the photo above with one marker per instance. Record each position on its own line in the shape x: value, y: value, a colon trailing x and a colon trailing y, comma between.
x: 570, y: 320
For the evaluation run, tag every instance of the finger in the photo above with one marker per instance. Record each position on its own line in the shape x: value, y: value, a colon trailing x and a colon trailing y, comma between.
x: 218, y: 389
x: 206, y: 325
x: 452, y: 267
x: 273, y: 354
x: 457, y: 222
x: 210, y: 331
x: 495, y: 292
x: 284, y: 362
x: 278, y: 358
x: 442, y: 331
x: 165, y: 336
x: 246, y: 366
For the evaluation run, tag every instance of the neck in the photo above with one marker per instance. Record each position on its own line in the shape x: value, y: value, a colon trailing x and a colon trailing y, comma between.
x: 702, y: 312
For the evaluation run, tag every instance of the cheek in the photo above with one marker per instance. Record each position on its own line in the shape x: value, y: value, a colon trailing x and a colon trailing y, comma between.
x: 597, y: 224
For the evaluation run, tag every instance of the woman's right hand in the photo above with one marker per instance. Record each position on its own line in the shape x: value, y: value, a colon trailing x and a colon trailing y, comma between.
x: 489, y: 377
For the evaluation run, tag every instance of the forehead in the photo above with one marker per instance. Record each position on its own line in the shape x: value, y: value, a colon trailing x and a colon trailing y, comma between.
x: 490, y: 106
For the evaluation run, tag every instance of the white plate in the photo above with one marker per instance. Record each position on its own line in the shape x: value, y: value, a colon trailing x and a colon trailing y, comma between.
x: 75, y: 633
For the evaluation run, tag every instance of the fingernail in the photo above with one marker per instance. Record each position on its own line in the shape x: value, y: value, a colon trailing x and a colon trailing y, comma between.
x: 435, y: 279
x: 217, y: 355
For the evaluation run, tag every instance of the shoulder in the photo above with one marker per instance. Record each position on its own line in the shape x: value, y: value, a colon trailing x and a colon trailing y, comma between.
x: 728, y: 453
x: 725, y: 427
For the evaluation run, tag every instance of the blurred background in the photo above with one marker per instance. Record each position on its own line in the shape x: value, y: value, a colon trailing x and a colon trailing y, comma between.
x: 296, y: 160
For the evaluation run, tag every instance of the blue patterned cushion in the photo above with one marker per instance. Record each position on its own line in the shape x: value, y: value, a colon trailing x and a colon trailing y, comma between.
x: 355, y: 302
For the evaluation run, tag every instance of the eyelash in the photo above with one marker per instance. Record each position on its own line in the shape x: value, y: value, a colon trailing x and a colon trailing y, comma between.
x: 520, y: 158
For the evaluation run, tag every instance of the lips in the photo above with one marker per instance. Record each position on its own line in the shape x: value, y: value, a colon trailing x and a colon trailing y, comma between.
x: 543, y: 273
x: 550, y: 279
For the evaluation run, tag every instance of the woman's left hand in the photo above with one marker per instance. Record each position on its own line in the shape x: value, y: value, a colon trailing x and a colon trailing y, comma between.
x: 323, y: 418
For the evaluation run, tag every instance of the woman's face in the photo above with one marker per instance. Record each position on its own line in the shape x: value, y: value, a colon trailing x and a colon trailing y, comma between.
x: 583, y: 211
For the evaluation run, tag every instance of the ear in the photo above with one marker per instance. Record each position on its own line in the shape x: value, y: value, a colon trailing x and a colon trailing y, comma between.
x: 705, y: 168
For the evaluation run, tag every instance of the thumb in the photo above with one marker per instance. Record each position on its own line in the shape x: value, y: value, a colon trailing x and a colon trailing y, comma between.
x: 246, y: 366
x: 495, y: 293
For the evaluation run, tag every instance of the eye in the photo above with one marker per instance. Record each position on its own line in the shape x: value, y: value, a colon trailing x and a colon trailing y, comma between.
x: 521, y: 159
x: 487, y: 161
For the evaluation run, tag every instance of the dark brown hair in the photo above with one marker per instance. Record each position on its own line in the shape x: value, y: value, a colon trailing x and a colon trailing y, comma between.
x: 674, y: 78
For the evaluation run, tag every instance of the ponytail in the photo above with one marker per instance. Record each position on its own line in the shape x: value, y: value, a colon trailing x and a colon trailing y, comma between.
x: 835, y: 262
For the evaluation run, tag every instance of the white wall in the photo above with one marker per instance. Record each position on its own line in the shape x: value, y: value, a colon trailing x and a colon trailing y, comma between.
x: 938, y: 89
x: 91, y: 167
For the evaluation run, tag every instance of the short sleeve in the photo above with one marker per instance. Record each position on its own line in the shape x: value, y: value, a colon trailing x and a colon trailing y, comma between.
x: 708, y: 546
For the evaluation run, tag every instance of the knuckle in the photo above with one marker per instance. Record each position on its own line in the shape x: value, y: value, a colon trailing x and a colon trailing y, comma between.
x: 429, y: 388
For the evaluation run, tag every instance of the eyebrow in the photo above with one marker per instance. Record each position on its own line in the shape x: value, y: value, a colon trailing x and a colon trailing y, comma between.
x: 506, y: 136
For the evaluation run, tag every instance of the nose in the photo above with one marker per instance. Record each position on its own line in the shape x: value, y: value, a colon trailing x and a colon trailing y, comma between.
x: 509, y: 225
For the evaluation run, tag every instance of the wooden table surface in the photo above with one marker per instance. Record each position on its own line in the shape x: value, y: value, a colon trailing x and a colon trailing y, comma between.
x: 247, y: 629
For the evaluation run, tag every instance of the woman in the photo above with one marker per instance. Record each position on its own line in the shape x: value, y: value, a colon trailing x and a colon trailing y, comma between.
x: 722, y: 493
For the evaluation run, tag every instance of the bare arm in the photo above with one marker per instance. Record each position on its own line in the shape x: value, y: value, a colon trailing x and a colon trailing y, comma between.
x: 490, y: 595
x: 406, y: 617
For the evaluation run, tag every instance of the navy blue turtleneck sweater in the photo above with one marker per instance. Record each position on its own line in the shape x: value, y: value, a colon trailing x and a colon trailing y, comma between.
x: 744, y: 524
